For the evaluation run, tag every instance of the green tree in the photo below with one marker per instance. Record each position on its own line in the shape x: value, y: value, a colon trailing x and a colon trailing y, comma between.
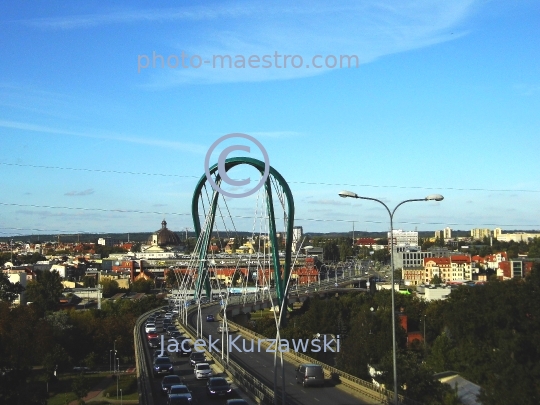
x: 80, y: 387
x: 110, y: 287
x: 171, y: 279
x: 436, y: 280
x: 381, y: 255
x: 45, y: 291
x: 142, y: 286
x: 442, y: 356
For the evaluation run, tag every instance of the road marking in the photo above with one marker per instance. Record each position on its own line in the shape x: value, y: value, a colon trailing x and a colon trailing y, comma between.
x: 316, y: 399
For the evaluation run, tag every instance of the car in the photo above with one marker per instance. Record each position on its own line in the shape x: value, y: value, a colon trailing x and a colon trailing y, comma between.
x: 162, y: 365
x: 168, y: 315
x: 179, y: 399
x: 159, y: 353
x: 81, y: 369
x: 170, y: 329
x: 196, y: 357
x: 210, y: 318
x: 180, y: 389
x: 177, y: 335
x: 202, y: 370
x: 168, y: 381
x: 226, y: 328
x: 154, y: 342
x: 218, y: 387
x: 150, y: 327
x: 310, y: 374
x: 237, y: 401
x: 152, y: 335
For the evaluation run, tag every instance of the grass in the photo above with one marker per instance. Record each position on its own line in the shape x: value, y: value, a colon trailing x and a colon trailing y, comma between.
x: 128, y: 385
x: 61, y: 392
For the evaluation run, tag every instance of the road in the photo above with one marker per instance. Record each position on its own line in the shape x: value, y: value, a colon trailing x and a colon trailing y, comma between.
x: 261, y: 364
x: 184, y: 370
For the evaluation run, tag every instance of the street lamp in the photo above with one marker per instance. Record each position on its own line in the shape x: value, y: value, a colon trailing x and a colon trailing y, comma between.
x: 117, y: 377
x: 431, y: 197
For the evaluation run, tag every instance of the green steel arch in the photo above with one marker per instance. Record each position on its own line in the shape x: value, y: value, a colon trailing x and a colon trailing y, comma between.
x: 281, y: 274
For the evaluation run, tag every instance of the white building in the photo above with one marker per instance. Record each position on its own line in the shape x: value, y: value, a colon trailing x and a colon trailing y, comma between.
x: 297, y: 234
x: 403, y: 238
x: 479, y: 234
x: 19, y: 277
x: 516, y: 237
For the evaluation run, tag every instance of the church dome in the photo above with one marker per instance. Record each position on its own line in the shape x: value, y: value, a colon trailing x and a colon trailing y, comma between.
x: 165, y: 237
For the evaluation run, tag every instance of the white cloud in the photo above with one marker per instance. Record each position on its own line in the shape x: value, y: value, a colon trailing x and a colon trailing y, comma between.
x: 188, y: 147
x: 367, y: 29
x: 80, y: 193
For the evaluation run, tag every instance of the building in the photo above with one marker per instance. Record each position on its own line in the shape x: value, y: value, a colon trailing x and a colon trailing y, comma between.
x: 409, y: 257
x: 413, y: 276
x: 480, y: 234
x: 514, y: 269
x: 19, y: 277
x: 403, y: 238
x: 297, y: 235
x: 432, y: 293
x: 516, y: 237
x: 448, y: 269
x: 163, y: 243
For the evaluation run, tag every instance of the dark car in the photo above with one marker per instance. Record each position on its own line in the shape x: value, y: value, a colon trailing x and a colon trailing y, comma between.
x: 177, y: 335
x: 179, y: 399
x: 180, y: 389
x: 168, y: 381
x: 196, y: 357
x: 154, y: 342
x: 236, y: 401
x: 218, y: 387
x: 210, y: 318
x: 310, y: 374
x: 171, y: 329
x: 162, y: 365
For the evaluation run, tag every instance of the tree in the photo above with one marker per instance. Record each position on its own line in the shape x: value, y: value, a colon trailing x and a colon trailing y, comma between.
x: 171, y: 280
x: 142, y: 286
x: 381, y: 255
x: 436, y: 280
x: 8, y: 290
x: 46, y: 290
x: 80, y: 387
x: 110, y: 287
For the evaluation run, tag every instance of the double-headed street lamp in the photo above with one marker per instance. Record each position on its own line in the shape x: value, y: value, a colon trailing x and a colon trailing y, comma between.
x: 432, y: 197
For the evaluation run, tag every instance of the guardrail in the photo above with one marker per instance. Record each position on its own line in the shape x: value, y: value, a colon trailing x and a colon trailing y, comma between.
x: 252, y: 386
x: 364, y: 387
x: 143, y: 376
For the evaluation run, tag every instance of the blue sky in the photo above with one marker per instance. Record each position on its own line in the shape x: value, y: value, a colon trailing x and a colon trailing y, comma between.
x: 445, y: 100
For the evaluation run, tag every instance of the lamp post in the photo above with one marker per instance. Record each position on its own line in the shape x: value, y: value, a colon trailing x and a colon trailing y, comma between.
x: 424, y: 331
x: 431, y: 197
x: 117, y: 377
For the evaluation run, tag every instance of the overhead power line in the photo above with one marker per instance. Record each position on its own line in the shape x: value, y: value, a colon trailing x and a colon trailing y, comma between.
x: 291, y: 182
x: 250, y: 217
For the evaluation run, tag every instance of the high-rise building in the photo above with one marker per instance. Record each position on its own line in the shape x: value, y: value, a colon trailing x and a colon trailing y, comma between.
x: 297, y: 234
x: 403, y: 238
x: 479, y: 234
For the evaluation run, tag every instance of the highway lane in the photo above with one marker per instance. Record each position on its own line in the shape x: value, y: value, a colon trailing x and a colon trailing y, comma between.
x: 261, y: 364
x: 185, y: 371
